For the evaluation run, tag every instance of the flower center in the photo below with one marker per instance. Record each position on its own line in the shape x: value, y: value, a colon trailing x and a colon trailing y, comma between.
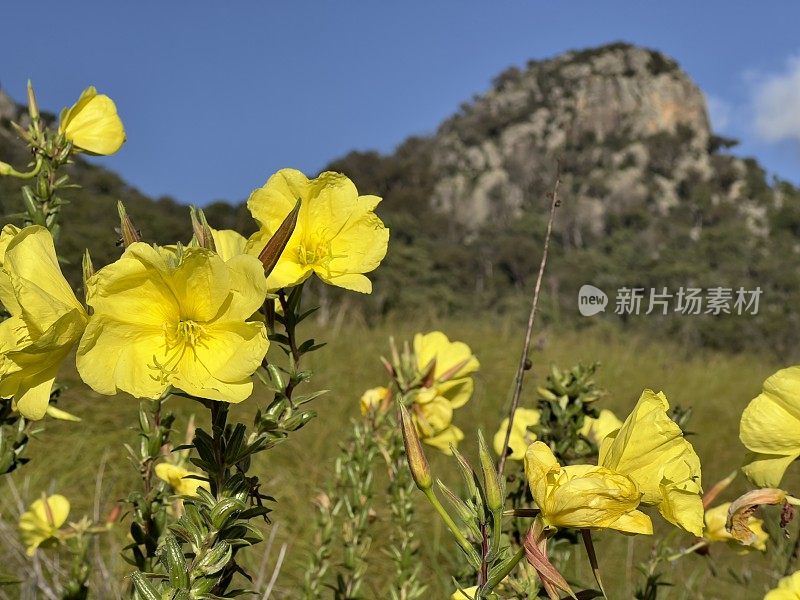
x: 189, y: 332
x: 186, y: 335
x: 314, y: 251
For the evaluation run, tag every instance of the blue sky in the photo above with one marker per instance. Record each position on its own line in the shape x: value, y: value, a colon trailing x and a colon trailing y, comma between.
x: 218, y: 95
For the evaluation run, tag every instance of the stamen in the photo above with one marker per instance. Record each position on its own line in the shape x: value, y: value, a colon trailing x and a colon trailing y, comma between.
x: 185, y: 335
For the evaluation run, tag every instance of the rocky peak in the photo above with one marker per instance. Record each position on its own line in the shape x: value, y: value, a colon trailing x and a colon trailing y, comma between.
x: 590, y: 104
x: 9, y: 110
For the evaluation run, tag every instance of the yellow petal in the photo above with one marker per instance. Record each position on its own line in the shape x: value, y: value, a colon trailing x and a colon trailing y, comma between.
x: 442, y: 441
x: 221, y: 367
x: 448, y: 355
x: 520, y: 437
x: 770, y: 427
x: 30, y: 363
x: 34, y: 397
x: 598, y: 429
x: 349, y: 281
x: 433, y: 417
x: 201, y: 283
x: 456, y: 391
x: 362, y: 244
x: 682, y: 505
x: 7, y: 296
x: 40, y: 288
x: 247, y: 286
x: 228, y: 243
x: 715, y: 531
x: 179, y: 479
x: 271, y: 203
x: 133, y: 288
x: 788, y: 588
x: 116, y: 355
x: 372, y: 399
x: 471, y: 594
x: 767, y: 470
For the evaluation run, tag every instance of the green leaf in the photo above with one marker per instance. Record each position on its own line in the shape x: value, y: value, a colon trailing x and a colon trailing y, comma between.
x: 224, y: 509
x: 215, y: 559
x: 172, y: 557
x: 145, y: 589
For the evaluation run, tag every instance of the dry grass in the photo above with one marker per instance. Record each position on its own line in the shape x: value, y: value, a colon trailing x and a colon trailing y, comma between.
x: 67, y: 457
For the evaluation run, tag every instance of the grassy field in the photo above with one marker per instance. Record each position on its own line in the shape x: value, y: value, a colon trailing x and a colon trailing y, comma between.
x: 67, y: 456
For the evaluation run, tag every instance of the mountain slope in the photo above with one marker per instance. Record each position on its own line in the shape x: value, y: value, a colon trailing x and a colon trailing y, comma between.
x: 651, y: 199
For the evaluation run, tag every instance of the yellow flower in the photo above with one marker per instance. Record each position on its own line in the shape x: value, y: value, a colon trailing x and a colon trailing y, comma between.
x: 583, y: 496
x: 176, y: 477
x: 338, y: 236
x: 520, y: 437
x: 454, y: 360
x: 770, y: 427
x: 373, y: 398
x: 41, y: 522
x: 92, y: 123
x: 597, y: 429
x: 651, y: 450
x: 164, y: 318
x: 715, y: 519
x: 46, y: 319
x: 434, y: 421
x: 788, y: 588
x: 471, y: 594
x: 448, y: 388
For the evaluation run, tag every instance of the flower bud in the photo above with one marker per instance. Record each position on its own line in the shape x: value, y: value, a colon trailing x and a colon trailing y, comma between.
x: 491, y: 483
x: 33, y: 106
x: 92, y: 124
x: 88, y: 269
x: 114, y: 514
x: 201, y: 228
x: 127, y: 229
x: 5, y: 168
x: 420, y: 470
x: 61, y: 415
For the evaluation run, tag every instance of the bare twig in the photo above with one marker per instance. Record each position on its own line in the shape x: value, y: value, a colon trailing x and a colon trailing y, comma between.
x: 524, y: 362
x: 275, y: 572
x: 98, y: 486
x: 262, y: 569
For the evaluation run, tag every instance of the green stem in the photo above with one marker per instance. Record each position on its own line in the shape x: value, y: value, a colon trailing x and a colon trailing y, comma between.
x: 462, y: 541
x: 75, y: 588
x: 502, y: 573
x: 24, y: 175
x: 689, y: 550
x: 219, y: 419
